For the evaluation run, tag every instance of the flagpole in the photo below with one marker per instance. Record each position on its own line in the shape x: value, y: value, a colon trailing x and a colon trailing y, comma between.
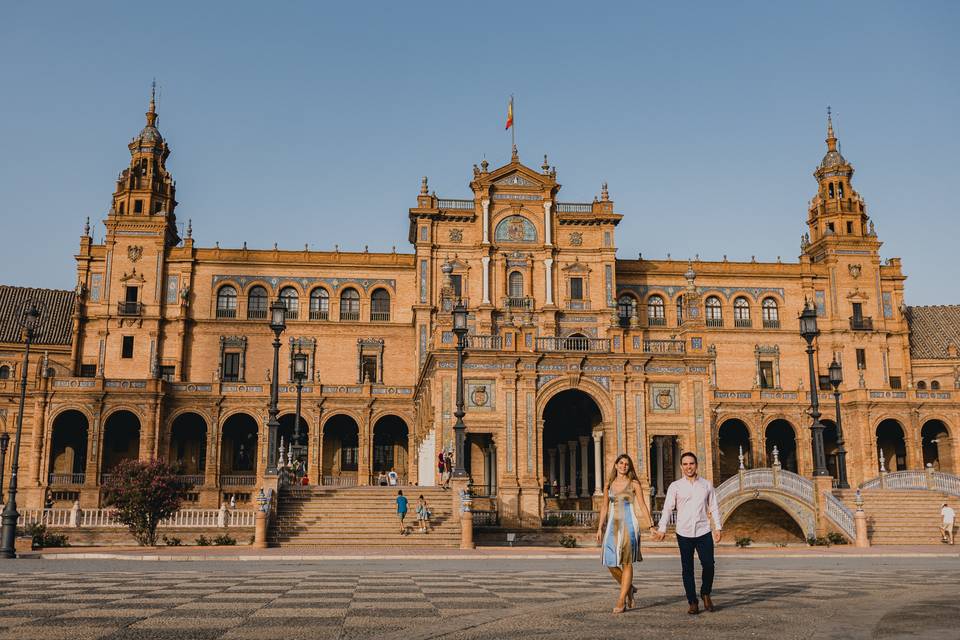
x: 513, y: 127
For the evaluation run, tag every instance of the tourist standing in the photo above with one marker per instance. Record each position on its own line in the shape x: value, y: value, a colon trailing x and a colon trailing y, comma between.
x: 946, y: 529
x: 624, y: 511
x: 423, y: 514
x: 441, y: 466
x: 401, y: 511
x: 692, y: 497
x: 448, y: 463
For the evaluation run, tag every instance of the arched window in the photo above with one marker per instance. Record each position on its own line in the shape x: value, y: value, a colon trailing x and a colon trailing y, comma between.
x: 714, y: 312
x: 4, y: 372
x: 227, y: 302
x: 679, y: 310
x: 741, y: 312
x: 380, y: 306
x: 349, y: 305
x: 515, y: 284
x: 631, y: 303
x: 289, y: 297
x: 655, y: 312
x: 921, y: 385
x: 935, y: 385
x: 771, y: 314
x: 257, y: 303
x: 319, y: 304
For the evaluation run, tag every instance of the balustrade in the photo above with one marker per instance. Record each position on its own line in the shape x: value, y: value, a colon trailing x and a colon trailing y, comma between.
x: 574, y: 343
x: 664, y: 346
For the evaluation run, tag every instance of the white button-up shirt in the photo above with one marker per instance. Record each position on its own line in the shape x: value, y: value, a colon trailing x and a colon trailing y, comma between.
x: 691, y: 500
x: 948, y: 515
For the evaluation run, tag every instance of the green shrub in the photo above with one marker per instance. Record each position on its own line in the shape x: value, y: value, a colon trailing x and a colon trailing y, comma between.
x: 566, y: 520
x: 815, y: 541
x: 568, y: 541
x: 224, y: 541
x: 836, y: 538
x: 551, y: 521
x: 42, y: 539
x: 744, y: 542
x: 172, y: 541
x: 143, y: 494
x: 203, y: 541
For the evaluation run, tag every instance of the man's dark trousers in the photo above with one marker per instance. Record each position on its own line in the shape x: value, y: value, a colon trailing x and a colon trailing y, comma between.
x: 704, y: 547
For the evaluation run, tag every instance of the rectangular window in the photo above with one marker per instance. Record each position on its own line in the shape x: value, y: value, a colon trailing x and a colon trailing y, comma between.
x: 895, y: 382
x: 131, y: 294
x: 766, y: 374
x: 824, y: 383
x: 861, y: 358
x: 576, y: 288
x: 457, y: 281
x: 348, y: 458
x: 368, y: 369
x: 857, y: 312
x: 168, y: 372
x: 88, y: 371
x: 231, y: 367
x: 849, y: 228
x: 138, y: 206
x: 127, y: 347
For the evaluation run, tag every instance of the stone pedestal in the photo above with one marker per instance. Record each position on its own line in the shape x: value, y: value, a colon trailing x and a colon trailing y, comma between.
x: 260, y: 531
x: 860, y: 521
x: 460, y: 506
x: 822, y: 485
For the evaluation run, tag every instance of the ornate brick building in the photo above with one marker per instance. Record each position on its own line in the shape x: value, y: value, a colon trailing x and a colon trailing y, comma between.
x: 574, y: 355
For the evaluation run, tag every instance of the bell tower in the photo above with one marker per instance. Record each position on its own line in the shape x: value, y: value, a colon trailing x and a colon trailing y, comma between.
x: 145, y: 193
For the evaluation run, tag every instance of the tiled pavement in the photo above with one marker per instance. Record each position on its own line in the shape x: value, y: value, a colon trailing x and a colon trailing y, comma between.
x: 290, y: 604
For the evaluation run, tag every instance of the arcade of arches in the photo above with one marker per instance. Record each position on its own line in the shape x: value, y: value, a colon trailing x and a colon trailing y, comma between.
x: 571, y: 420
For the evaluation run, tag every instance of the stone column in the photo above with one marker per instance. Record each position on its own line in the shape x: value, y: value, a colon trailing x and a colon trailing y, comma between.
x: 562, y: 451
x: 548, y: 265
x: 597, y: 464
x: 584, y: 467
x: 486, y: 221
x: 486, y: 469
x: 485, y: 260
x: 572, y: 447
x: 658, y: 443
x: 493, y: 470
x: 547, y: 232
x: 552, y: 453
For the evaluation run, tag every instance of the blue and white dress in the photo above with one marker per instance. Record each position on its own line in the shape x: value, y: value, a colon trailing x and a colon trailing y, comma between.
x: 621, y: 541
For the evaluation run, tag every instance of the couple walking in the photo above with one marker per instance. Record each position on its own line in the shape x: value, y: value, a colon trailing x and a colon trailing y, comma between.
x: 625, y: 508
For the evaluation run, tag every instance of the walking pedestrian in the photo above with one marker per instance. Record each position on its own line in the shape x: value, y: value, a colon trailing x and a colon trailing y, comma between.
x: 692, y: 497
x: 423, y: 514
x: 441, y: 466
x: 946, y: 529
x: 402, y: 511
x: 448, y: 463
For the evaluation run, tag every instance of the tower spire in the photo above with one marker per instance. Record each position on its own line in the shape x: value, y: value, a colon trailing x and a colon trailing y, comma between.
x: 152, y: 111
x: 831, y: 138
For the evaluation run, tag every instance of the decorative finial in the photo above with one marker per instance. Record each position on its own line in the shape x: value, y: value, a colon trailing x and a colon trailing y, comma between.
x: 86, y: 227
x: 514, y: 156
x: 858, y: 500
x: 484, y: 164
x: 831, y: 138
x: 152, y: 111
x: 776, y: 456
x: 546, y: 165
x: 424, y: 190
x: 189, y: 228
x: 604, y: 194
x: 740, y: 458
x: 883, y: 463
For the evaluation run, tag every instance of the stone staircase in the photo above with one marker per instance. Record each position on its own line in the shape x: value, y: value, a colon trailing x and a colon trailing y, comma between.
x: 900, y: 516
x: 350, y: 517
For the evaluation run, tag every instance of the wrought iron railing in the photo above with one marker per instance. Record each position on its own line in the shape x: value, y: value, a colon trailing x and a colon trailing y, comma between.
x: 195, y: 479
x: 257, y: 314
x: 379, y: 316
x: 861, y: 324
x: 574, y: 343
x: 65, y: 479
x: 656, y: 321
x: 319, y: 314
x: 771, y: 323
x: 226, y: 313
x: 715, y: 322
x: 349, y: 315
x: 129, y: 308
x: 742, y: 323
x: 523, y: 303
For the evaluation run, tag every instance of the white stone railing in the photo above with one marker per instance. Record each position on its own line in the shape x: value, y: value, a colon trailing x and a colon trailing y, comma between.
x: 580, y: 518
x: 672, y: 522
x: 106, y: 518
x: 841, y: 515
x: 340, y: 481
x: 929, y: 479
x: 785, y: 481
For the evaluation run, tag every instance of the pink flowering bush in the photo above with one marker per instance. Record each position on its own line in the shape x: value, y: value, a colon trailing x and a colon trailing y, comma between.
x: 143, y: 494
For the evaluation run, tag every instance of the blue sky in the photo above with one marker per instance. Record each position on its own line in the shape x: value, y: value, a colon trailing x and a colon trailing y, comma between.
x: 311, y: 122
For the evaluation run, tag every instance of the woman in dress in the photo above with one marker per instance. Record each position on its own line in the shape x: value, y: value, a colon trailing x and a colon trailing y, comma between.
x: 623, y: 512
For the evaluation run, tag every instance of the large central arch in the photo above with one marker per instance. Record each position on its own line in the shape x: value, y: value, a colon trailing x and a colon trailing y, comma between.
x: 570, y: 419
x: 341, y: 451
x: 121, y: 439
x: 68, y: 448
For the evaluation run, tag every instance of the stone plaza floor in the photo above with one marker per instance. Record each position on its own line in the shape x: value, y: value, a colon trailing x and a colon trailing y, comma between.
x: 495, y: 597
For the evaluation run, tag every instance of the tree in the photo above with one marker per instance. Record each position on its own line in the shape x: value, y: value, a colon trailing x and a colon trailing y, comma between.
x: 143, y: 494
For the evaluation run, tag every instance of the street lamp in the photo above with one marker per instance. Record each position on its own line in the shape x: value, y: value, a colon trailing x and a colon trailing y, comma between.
x: 299, y: 375
x: 460, y: 329
x: 836, y: 377
x: 278, y: 322
x: 4, y: 443
x: 809, y: 331
x: 10, y: 516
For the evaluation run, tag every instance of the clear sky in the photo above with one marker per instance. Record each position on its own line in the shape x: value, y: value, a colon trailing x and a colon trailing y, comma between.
x: 314, y: 122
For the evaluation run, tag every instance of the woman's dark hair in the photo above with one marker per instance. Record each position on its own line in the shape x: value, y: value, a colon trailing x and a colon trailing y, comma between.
x: 631, y: 471
x: 689, y: 454
x: 421, y: 496
x: 400, y: 492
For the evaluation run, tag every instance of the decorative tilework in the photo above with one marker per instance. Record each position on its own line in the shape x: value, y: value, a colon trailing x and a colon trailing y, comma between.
x: 821, y: 302
x: 698, y: 419
x: 515, y: 229
x: 696, y: 344
x: 887, y: 305
x: 663, y: 398
x: 530, y: 432
x: 305, y: 282
x: 173, y: 289
x: 509, y: 431
x: 618, y: 402
x: 423, y: 343
x: 481, y: 394
x: 445, y: 413
x: 641, y: 290
x: 96, y: 287
x: 641, y: 431
x: 603, y: 381
x: 423, y: 281
x: 608, y: 283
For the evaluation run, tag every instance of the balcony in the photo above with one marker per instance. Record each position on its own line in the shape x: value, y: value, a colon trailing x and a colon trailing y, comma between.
x: 485, y: 343
x: 742, y: 323
x: 656, y: 321
x: 664, y: 346
x: 129, y: 308
x: 771, y: 323
x: 292, y: 314
x: 319, y: 314
x: 347, y: 315
x: 861, y: 324
x: 576, y: 343
x: 226, y: 313
x: 715, y: 323
x: 65, y: 479
x: 238, y: 480
x: 257, y: 314
x: 380, y: 316
x: 195, y: 480
x: 522, y: 303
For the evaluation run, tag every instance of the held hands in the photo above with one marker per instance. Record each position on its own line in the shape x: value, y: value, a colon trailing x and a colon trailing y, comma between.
x: 717, y: 536
x: 599, y: 535
x: 657, y: 535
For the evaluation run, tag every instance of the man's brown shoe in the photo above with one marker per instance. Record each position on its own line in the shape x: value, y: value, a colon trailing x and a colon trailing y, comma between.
x: 707, y: 603
x: 694, y: 609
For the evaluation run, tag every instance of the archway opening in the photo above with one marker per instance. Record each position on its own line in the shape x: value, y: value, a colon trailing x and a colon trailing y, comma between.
x: 188, y: 445
x: 569, y: 470
x: 481, y: 464
x: 121, y: 440
x: 892, y: 444
x: 288, y: 432
x: 238, y: 451
x: 780, y: 434
x: 390, y: 447
x: 937, y: 446
x: 762, y: 521
x: 68, y: 449
x: 732, y: 437
x: 830, y: 446
x: 341, y: 451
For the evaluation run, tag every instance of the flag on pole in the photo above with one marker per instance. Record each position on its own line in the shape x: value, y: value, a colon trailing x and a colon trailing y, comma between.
x: 509, y: 114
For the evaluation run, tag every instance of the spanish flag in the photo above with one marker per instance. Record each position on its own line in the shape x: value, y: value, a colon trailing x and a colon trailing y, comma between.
x: 509, y: 114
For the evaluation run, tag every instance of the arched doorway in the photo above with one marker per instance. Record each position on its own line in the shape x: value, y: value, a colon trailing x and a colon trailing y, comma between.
x: 762, y: 521
x: 287, y: 432
x: 389, y: 448
x: 830, y: 446
x: 569, y: 421
x: 937, y: 446
x: 732, y: 436
x: 893, y: 445
x: 121, y: 440
x: 238, y: 451
x: 341, y: 451
x: 188, y: 445
x: 68, y: 449
x: 780, y: 434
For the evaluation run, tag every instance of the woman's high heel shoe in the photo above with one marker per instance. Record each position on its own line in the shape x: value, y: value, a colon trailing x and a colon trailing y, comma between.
x: 629, y: 603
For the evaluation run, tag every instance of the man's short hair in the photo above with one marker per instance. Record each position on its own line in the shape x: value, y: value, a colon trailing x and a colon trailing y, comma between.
x: 689, y: 454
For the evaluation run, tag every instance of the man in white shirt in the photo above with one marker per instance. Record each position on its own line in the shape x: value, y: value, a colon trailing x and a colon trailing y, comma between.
x: 692, y: 497
x: 946, y: 529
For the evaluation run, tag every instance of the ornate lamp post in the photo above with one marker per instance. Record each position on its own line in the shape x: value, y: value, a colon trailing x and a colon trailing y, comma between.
x: 299, y: 375
x: 278, y: 322
x: 4, y: 443
x: 10, y: 515
x: 836, y: 377
x: 809, y: 331
x: 460, y: 329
